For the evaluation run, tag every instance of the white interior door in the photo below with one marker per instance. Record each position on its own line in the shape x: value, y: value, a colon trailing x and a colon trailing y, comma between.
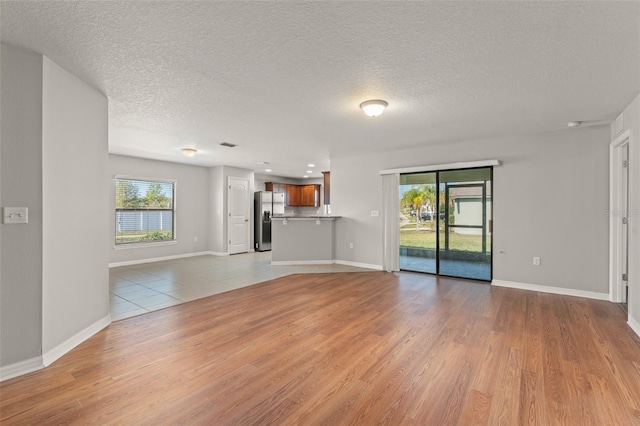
x: 619, y: 218
x: 239, y: 212
x: 624, y: 243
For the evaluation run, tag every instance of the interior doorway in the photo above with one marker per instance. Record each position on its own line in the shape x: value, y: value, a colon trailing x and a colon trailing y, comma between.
x: 618, y: 221
x: 239, y: 213
x: 446, y: 223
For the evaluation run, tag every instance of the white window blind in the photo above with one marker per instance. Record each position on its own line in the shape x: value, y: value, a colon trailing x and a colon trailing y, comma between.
x: 144, y: 211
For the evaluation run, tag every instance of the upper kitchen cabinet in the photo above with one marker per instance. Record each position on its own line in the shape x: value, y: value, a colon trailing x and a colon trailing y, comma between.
x: 294, y: 195
x: 297, y: 195
x: 310, y: 196
x: 276, y: 187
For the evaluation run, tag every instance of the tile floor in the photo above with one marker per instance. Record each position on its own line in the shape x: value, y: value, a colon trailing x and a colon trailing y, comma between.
x: 138, y: 289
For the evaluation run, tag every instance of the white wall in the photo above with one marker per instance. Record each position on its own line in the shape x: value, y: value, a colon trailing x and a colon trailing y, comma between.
x: 550, y: 200
x: 192, y: 206
x: 21, y: 186
x: 75, y: 285
x: 631, y: 116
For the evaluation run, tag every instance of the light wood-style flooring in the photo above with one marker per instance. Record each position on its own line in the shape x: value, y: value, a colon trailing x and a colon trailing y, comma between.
x: 348, y: 349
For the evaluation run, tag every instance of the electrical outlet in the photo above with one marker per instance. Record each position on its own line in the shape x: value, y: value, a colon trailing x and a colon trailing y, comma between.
x: 536, y: 261
x: 351, y: 245
x: 375, y: 213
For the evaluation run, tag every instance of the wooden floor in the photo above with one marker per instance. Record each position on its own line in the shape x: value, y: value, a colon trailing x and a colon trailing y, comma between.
x: 351, y: 348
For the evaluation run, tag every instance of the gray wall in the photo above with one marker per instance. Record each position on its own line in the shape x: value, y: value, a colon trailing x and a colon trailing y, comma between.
x: 21, y: 186
x: 550, y: 200
x: 632, y: 122
x: 217, y: 241
x: 192, y: 206
x: 75, y: 285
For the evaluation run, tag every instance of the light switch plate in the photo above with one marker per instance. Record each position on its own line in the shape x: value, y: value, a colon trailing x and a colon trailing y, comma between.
x: 13, y: 215
x: 375, y: 213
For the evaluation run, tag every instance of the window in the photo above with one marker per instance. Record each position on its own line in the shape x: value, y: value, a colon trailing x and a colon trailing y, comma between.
x: 144, y: 211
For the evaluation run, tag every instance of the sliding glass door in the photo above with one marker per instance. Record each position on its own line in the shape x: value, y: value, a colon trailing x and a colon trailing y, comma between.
x: 418, y: 222
x: 446, y: 223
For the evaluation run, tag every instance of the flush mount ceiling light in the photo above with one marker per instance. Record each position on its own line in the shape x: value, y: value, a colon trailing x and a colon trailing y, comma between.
x: 311, y: 165
x: 373, y: 108
x: 189, y: 152
x: 574, y: 124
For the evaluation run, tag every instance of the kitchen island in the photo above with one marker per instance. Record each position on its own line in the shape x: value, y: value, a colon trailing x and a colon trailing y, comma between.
x: 302, y: 239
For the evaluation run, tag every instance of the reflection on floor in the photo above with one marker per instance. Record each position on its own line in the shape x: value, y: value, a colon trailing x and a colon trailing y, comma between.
x: 456, y: 268
x: 138, y: 289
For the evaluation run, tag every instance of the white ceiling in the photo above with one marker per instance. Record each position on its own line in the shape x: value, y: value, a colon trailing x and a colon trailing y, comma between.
x: 283, y: 80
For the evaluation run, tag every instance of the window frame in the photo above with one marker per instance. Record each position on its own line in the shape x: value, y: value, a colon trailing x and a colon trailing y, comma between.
x: 140, y: 244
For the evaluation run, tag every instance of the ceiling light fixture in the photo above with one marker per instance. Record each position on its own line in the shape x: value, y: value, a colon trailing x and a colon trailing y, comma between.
x: 267, y: 170
x: 574, y: 124
x: 189, y: 152
x: 309, y: 171
x: 373, y: 108
x: 311, y: 165
x: 305, y: 176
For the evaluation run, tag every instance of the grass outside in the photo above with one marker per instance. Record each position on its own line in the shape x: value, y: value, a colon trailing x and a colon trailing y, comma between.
x: 140, y: 236
x: 427, y: 240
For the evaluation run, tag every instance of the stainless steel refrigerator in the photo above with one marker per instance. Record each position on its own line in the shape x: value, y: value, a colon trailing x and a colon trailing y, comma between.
x: 265, y: 205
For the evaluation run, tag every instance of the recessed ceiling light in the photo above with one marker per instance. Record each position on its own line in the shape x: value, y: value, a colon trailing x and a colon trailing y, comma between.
x: 374, y: 107
x: 311, y: 165
x: 305, y: 176
x: 309, y: 171
x: 574, y: 124
x: 267, y: 170
x: 189, y: 152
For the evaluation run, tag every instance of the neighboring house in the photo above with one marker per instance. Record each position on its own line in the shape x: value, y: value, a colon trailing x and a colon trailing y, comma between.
x: 467, y: 208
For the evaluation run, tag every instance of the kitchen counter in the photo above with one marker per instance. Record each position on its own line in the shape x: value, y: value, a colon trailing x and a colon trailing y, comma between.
x: 302, y: 239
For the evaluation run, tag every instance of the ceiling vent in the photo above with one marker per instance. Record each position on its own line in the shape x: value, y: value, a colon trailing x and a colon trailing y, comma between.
x: 228, y: 145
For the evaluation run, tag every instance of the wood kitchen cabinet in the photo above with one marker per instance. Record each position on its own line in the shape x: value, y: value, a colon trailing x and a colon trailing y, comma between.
x: 275, y: 187
x: 310, y: 196
x: 297, y: 195
x: 294, y: 195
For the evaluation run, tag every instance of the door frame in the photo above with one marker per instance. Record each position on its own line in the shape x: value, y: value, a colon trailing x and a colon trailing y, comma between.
x: 228, y: 213
x: 437, y: 172
x: 616, y: 171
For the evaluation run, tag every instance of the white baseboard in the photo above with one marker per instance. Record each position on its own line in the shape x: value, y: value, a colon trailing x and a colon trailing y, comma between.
x: 635, y: 325
x: 64, y: 347
x: 19, y: 368
x: 554, y: 290
x: 301, y: 262
x: 359, y: 265
x: 160, y: 259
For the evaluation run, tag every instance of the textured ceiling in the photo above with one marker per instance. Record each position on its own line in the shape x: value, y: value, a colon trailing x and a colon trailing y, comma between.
x: 283, y: 80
